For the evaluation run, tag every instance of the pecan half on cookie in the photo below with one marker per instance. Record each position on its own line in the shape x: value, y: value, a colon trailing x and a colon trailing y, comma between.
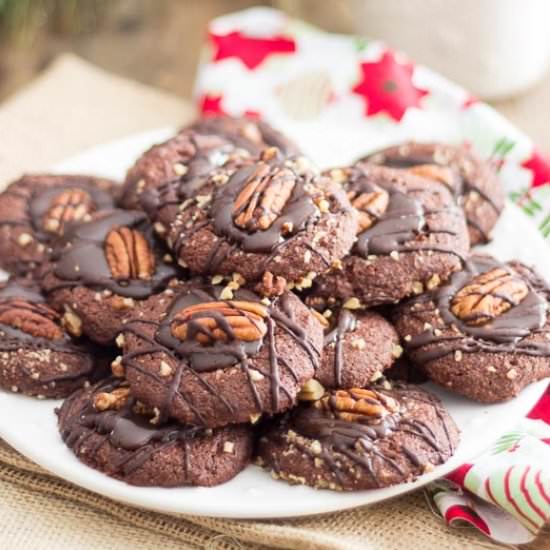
x: 37, y: 356
x: 36, y: 209
x: 472, y: 181
x: 485, y: 334
x: 208, y: 358
x: 411, y: 236
x: 104, y: 269
x: 358, y: 439
x: 273, y: 215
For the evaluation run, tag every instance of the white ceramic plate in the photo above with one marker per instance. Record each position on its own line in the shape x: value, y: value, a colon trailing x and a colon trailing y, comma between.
x: 31, y: 428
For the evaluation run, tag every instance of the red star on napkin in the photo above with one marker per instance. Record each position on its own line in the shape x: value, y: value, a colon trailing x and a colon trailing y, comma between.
x: 539, y: 167
x: 250, y: 50
x: 210, y: 105
x: 387, y: 87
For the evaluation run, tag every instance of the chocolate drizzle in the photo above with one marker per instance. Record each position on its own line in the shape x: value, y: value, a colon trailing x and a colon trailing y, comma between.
x: 208, y: 154
x: 347, y: 321
x: 42, y: 200
x: 205, y: 358
x: 79, y: 258
x: 363, y: 440
x: 416, y: 154
x: 195, y: 358
x: 406, y: 225
x: 507, y: 332
x: 125, y: 430
x: 39, y: 199
x: 211, y: 206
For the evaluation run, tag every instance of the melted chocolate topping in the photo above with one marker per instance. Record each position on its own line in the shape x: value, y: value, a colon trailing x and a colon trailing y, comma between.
x: 197, y: 358
x: 79, y: 258
x: 24, y: 289
x: 505, y: 333
x: 404, y: 226
x: 124, y: 429
x: 347, y: 322
x: 359, y: 440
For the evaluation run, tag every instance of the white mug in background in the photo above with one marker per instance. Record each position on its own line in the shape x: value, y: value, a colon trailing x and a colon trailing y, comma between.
x: 494, y: 48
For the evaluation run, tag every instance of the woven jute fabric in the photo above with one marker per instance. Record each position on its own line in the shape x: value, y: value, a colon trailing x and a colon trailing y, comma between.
x: 70, y: 107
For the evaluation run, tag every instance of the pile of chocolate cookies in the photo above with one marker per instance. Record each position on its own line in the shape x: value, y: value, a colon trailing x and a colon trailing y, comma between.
x: 230, y: 303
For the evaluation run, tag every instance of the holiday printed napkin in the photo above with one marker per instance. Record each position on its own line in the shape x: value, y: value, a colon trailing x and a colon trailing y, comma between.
x: 260, y: 63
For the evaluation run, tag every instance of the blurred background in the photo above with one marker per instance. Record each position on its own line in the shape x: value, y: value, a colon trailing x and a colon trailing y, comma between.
x: 498, y: 49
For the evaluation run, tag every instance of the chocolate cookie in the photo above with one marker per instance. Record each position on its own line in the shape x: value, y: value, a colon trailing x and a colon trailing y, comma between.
x: 210, y: 356
x: 358, y: 347
x: 474, y: 182
x: 360, y: 439
x: 253, y: 135
x: 411, y: 236
x: 110, y: 431
x: 272, y: 216
x: 485, y: 334
x: 36, y: 209
x: 102, y: 270
x: 185, y: 161
x: 37, y: 356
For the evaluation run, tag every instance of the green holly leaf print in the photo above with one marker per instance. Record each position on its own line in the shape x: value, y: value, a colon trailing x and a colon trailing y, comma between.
x: 506, y: 442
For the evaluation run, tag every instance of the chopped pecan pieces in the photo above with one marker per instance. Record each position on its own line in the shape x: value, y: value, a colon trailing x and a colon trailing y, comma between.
x: 271, y: 286
x: 112, y: 401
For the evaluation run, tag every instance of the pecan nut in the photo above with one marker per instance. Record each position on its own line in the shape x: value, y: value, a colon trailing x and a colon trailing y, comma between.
x: 263, y: 197
x: 370, y: 206
x: 38, y: 320
x: 71, y: 205
x: 129, y: 254
x: 443, y: 174
x: 358, y: 405
x: 111, y: 401
x: 271, y: 285
x: 488, y: 296
x: 209, y: 322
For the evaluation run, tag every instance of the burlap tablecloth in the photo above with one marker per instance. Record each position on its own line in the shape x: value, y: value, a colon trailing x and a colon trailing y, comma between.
x: 72, y: 106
